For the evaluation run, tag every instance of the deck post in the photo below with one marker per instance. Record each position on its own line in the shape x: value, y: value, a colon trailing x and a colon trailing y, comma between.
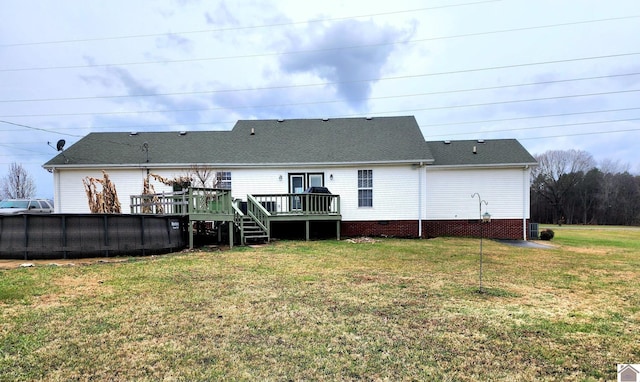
x: 230, y: 234
x: 306, y: 225
x: 338, y: 229
x: 190, y: 234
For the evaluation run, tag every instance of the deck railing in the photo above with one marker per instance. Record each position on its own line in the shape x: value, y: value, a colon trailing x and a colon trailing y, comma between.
x: 210, y: 201
x: 192, y: 201
x: 258, y: 212
x: 166, y: 203
x: 299, y: 204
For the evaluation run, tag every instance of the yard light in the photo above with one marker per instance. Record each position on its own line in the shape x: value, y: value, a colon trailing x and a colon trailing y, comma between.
x: 484, y: 218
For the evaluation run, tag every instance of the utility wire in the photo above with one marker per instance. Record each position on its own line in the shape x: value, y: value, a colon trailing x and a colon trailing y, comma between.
x: 258, y: 55
x: 538, y: 127
x: 325, y: 84
x: 529, y: 117
x: 122, y: 127
x: 316, y: 103
x: 579, y: 134
x: 39, y: 129
x: 245, y: 27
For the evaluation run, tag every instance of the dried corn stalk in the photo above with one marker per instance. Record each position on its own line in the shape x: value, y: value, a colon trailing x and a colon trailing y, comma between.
x: 105, y: 201
x: 183, y: 181
x: 150, y: 202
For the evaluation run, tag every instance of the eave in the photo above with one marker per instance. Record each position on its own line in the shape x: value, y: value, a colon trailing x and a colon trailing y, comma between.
x: 237, y: 165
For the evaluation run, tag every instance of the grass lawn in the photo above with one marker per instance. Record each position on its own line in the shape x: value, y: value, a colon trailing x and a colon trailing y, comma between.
x: 327, y: 310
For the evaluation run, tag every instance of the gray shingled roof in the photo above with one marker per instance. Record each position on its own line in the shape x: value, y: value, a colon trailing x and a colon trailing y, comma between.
x: 298, y: 141
x: 294, y: 141
x: 488, y: 152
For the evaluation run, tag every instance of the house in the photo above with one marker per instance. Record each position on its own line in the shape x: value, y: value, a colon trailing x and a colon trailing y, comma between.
x: 389, y: 180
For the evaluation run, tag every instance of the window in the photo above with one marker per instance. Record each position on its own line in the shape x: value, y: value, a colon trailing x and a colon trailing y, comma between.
x: 365, y: 188
x: 223, y: 180
x: 315, y: 180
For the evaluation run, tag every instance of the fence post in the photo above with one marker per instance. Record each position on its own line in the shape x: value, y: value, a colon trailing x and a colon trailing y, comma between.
x: 106, y: 235
x: 26, y: 236
x: 142, y: 233
x: 64, y: 236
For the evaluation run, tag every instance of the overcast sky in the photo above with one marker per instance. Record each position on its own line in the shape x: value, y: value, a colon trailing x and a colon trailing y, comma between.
x: 553, y: 74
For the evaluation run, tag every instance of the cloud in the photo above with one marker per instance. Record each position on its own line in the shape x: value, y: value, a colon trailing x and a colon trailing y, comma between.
x: 220, y: 16
x: 172, y: 40
x: 344, y: 66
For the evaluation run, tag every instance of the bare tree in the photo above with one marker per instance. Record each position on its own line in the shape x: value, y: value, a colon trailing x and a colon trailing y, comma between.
x: 17, y: 184
x: 610, y: 166
x: 203, y: 176
x: 557, y: 175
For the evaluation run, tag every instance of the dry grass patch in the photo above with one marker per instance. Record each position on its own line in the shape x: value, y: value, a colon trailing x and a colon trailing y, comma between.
x: 393, y: 309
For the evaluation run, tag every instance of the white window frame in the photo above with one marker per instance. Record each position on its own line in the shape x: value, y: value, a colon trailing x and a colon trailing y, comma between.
x: 223, y: 180
x: 365, y: 188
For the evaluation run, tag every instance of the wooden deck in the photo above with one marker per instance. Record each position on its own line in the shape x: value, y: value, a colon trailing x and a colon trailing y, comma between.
x: 252, y: 218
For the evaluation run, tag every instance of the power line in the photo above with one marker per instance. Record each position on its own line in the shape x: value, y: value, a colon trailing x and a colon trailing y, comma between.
x: 39, y: 128
x: 529, y: 117
x: 245, y: 27
x: 22, y: 149
x: 422, y: 125
x: 257, y: 55
x: 540, y: 127
x: 352, y: 115
x: 325, y: 84
x: 317, y: 103
x: 578, y: 134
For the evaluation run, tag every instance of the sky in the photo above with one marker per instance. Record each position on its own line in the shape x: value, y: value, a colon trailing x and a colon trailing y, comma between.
x: 556, y: 75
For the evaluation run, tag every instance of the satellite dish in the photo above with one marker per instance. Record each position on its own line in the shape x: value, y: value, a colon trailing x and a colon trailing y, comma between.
x: 60, y: 145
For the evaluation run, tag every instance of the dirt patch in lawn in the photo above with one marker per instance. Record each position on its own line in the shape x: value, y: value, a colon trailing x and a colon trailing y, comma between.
x: 13, y: 264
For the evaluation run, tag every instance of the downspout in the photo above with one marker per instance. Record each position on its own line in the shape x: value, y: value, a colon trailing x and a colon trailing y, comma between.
x: 420, y: 166
x: 524, y: 201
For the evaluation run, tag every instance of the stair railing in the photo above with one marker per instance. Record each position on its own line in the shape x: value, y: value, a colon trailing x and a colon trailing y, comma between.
x: 259, y: 214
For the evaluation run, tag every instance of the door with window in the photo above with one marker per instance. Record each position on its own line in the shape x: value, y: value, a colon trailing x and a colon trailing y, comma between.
x: 296, y: 186
x: 299, y: 182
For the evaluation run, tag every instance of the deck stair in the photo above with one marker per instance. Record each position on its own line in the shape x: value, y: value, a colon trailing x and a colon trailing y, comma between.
x: 251, y: 231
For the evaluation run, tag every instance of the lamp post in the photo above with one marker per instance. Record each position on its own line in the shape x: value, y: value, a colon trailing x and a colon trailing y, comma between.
x: 484, y: 218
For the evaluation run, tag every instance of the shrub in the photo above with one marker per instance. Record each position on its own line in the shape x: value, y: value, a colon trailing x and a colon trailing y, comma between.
x: 546, y: 234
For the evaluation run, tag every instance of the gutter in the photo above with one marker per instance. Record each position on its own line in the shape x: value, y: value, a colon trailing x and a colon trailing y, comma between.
x: 235, y: 165
x: 478, y: 166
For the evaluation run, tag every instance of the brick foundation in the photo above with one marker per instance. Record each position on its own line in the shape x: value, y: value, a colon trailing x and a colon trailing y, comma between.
x: 395, y: 228
x: 496, y: 229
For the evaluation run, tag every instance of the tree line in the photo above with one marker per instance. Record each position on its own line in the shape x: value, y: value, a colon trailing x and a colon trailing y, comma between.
x: 568, y: 187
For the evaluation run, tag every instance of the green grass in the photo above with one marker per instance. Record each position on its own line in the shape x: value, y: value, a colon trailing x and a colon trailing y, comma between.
x: 327, y: 310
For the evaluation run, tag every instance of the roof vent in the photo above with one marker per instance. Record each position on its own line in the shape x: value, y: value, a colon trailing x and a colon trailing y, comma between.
x: 253, y: 131
x: 369, y: 118
x: 325, y: 119
x: 182, y: 133
x: 447, y: 142
x: 480, y: 140
x: 475, y: 150
x: 280, y: 120
x: 133, y: 133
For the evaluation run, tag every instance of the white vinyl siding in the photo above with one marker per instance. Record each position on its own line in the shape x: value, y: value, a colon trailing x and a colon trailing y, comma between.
x: 70, y: 195
x: 395, y: 191
x: 72, y: 198
x: 448, y: 193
